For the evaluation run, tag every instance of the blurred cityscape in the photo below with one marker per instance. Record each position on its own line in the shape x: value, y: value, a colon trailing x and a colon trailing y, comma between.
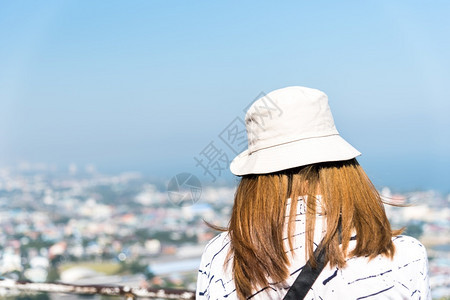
x: 83, y: 227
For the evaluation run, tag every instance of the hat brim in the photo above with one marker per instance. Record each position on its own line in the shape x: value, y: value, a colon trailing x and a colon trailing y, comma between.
x: 294, y: 154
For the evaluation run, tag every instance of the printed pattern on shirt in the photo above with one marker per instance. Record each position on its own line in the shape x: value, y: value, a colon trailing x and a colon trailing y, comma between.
x: 404, y: 277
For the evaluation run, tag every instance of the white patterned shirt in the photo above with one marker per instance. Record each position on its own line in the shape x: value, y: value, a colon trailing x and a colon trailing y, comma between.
x: 403, y: 277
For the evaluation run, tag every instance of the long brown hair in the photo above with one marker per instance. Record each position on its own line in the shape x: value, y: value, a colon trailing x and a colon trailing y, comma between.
x: 258, y: 219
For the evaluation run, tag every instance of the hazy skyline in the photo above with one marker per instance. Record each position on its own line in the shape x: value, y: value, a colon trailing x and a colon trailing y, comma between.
x: 147, y: 85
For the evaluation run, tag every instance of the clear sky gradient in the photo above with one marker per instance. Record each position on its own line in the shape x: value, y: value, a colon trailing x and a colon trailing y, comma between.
x: 146, y: 85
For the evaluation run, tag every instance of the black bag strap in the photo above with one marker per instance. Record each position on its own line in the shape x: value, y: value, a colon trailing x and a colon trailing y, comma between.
x: 307, y: 277
x: 308, y: 274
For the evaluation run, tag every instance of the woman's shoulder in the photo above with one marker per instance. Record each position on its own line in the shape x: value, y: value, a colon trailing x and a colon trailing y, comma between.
x: 215, y: 278
x: 408, y: 247
x: 218, y: 241
x: 401, y: 238
x: 410, y: 257
x: 405, y: 276
x: 216, y: 249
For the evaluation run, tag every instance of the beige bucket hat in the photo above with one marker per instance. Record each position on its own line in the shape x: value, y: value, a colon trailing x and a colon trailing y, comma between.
x: 288, y: 128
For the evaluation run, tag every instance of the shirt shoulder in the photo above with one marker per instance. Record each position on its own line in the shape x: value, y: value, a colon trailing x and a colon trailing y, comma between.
x: 214, y: 275
x: 405, y: 276
x: 409, y: 250
x: 404, y: 241
x: 216, y: 248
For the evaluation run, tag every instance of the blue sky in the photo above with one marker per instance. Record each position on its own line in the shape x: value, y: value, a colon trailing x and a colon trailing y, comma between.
x: 146, y: 85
